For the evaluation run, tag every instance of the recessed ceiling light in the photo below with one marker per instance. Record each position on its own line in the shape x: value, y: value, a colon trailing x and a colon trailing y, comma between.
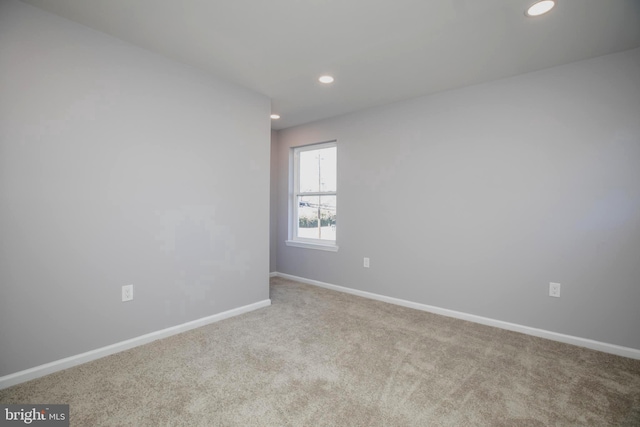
x: 540, y: 7
x: 325, y: 79
x: 275, y: 116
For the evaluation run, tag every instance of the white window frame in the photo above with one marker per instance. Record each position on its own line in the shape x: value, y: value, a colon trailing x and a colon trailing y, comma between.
x: 294, y: 240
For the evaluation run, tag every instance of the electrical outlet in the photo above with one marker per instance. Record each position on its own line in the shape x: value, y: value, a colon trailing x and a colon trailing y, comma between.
x: 554, y: 290
x: 127, y: 293
x: 366, y: 262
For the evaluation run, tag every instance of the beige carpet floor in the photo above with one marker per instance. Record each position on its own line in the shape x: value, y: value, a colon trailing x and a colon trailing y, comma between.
x: 323, y: 358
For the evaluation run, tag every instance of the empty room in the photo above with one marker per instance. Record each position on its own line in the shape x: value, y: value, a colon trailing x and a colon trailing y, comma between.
x: 320, y: 213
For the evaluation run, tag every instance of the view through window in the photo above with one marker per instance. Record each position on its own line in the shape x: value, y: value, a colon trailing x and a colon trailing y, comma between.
x: 315, y: 192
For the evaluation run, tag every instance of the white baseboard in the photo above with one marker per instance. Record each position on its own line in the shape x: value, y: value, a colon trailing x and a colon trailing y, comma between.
x: 554, y: 336
x: 68, y: 362
x: 273, y: 274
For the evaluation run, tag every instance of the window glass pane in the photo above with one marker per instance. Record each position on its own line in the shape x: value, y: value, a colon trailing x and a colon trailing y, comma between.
x: 318, y: 170
x: 328, y: 217
x: 309, y: 171
x: 317, y: 217
x: 308, y: 216
x: 328, y: 169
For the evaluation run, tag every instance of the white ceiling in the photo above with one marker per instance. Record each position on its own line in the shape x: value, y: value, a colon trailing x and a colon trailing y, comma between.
x: 379, y: 51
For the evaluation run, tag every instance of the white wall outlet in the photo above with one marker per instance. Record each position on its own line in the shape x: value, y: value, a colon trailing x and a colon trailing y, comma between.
x: 127, y: 292
x: 366, y: 262
x: 554, y: 290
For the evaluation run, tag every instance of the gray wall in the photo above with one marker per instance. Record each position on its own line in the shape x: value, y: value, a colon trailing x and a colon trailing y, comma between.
x: 273, y: 221
x: 475, y: 199
x: 118, y: 166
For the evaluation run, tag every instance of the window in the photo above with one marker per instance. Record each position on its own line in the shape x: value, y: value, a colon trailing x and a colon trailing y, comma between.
x: 314, y: 197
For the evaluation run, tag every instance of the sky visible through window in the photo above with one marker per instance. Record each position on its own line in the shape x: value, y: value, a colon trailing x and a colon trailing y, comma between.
x: 318, y: 170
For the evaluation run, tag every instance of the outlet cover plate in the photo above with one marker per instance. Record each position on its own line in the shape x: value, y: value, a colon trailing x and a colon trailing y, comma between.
x: 554, y: 290
x: 127, y: 292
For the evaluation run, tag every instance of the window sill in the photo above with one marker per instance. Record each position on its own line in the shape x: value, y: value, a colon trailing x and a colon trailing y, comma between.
x: 309, y: 245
